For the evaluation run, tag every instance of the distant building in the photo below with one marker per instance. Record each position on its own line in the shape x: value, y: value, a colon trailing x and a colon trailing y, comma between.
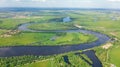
x: 67, y: 19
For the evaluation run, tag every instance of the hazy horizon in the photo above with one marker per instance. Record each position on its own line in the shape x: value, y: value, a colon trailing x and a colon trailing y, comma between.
x: 110, y: 4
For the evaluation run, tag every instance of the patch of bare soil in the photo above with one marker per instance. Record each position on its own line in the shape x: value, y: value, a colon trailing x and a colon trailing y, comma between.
x: 107, y: 46
x: 9, y: 33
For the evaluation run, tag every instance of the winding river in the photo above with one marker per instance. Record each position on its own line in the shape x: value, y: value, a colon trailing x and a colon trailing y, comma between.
x: 51, y: 50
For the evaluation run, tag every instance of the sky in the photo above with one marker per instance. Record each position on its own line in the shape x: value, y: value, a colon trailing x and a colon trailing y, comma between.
x: 61, y: 3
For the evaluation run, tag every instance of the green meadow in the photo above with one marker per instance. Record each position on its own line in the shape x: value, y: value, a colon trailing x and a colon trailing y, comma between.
x: 42, y: 39
x: 52, y: 26
x: 58, y: 61
x: 103, y: 21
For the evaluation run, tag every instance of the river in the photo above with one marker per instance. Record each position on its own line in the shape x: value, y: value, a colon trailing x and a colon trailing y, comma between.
x: 51, y: 50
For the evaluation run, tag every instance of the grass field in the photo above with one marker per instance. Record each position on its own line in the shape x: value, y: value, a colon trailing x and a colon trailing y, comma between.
x: 46, y: 39
x: 110, y: 56
x: 114, y: 56
x: 104, y: 21
x: 11, y: 23
x: 2, y: 31
x: 44, y: 63
x: 52, y: 26
x: 104, y: 24
x: 58, y: 61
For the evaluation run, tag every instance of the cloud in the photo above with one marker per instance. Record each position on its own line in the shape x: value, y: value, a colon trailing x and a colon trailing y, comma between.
x: 39, y: 0
x: 79, y: 0
x: 17, y: 0
x: 87, y: 1
x: 114, y: 0
x: 29, y: 0
x: 2, y: 0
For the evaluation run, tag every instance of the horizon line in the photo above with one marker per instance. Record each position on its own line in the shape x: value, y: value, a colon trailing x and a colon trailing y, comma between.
x: 62, y: 7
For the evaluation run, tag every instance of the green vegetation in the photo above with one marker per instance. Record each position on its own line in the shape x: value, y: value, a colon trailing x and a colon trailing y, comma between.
x: 2, y: 31
x: 44, y: 63
x: 58, y: 61
x: 20, y: 60
x: 114, y: 55
x: 102, y: 55
x: 41, y: 39
x: 104, y: 21
x: 11, y: 23
x: 76, y: 61
x: 24, y: 39
x: 108, y: 56
x: 52, y: 26
x: 88, y: 59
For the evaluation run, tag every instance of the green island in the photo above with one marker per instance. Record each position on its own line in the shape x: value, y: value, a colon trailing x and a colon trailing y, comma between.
x: 103, y: 21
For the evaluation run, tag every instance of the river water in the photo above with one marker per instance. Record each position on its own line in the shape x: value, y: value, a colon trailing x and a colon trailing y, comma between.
x: 51, y: 50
